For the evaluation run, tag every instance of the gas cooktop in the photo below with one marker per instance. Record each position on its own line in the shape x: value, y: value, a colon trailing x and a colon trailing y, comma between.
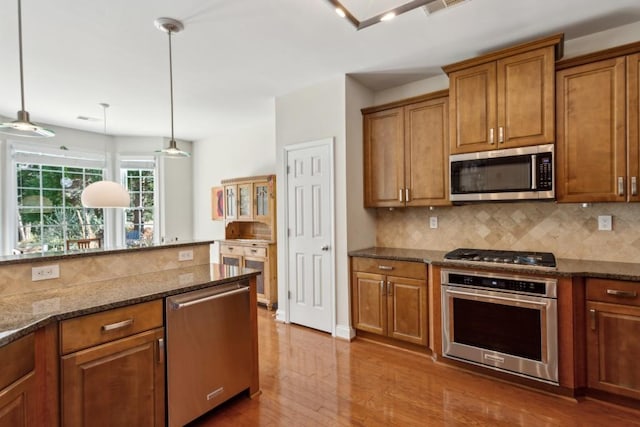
x: 530, y: 259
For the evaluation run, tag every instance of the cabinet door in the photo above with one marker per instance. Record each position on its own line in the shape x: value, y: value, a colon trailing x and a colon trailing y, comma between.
x: 262, y: 197
x: 633, y: 114
x: 369, y: 302
x: 115, y: 384
x: 258, y: 263
x: 590, y: 148
x: 384, y: 158
x: 245, y: 201
x: 231, y: 259
x: 472, y: 105
x: 407, y: 308
x: 427, y: 153
x: 17, y: 403
x: 613, y: 348
x: 526, y: 99
x: 230, y: 201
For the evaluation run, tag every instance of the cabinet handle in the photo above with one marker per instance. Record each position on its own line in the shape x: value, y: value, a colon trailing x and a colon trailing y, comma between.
x: 634, y: 186
x: 230, y: 249
x: 620, y: 186
x: 382, y: 290
x: 160, y: 357
x: 592, y: 319
x: 406, y: 195
x: 117, y: 325
x: 491, y: 141
x: 501, y: 135
x: 385, y: 267
x: 389, y: 289
x: 622, y: 294
x: 400, y: 195
x: 253, y: 251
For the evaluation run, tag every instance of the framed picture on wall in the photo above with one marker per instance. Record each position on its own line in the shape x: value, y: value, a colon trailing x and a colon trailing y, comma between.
x: 217, y: 203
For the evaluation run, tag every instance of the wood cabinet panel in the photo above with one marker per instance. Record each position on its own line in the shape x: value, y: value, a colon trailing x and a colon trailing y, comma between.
x: 407, y: 309
x: 591, y: 147
x: 613, y: 291
x: 17, y: 403
x: 117, y: 383
x: 633, y: 127
x: 369, y: 306
x: 613, y: 350
x: 415, y: 270
x: 384, y: 158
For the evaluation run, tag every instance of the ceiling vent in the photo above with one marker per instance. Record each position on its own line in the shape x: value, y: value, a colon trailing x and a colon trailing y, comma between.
x: 437, y: 5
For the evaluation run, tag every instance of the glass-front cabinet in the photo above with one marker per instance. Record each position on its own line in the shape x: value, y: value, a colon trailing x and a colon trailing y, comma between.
x: 261, y: 194
x: 230, y: 201
x: 245, y: 201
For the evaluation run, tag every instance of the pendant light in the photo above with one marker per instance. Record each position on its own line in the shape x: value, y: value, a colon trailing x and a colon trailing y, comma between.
x: 22, y: 126
x: 171, y: 26
x: 105, y: 194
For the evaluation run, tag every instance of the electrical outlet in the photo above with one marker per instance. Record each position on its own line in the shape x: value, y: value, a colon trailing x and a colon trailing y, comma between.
x: 605, y: 223
x: 45, y: 272
x: 185, y: 255
x: 433, y: 222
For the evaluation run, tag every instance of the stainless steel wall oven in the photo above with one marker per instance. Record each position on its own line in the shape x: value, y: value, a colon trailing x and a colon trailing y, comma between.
x: 502, y: 321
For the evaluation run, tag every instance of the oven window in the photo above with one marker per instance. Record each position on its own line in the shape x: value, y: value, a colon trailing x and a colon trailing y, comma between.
x: 491, y: 175
x: 504, y: 328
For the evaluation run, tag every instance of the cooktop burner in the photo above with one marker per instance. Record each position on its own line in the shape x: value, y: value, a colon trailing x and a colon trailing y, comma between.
x: 535, y: 259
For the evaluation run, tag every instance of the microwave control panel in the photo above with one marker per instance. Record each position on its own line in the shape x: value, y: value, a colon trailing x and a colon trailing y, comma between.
x: 544, y: 164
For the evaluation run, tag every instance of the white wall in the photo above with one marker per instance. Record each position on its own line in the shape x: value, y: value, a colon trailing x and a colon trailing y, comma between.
x: 315, y: 113
x: 231, y: 154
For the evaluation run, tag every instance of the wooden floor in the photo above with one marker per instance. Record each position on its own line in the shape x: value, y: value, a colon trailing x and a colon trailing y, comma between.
x: 309, y: 378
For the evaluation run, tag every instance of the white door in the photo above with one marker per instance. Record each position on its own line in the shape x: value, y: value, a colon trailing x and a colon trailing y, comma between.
x: 309, y: 230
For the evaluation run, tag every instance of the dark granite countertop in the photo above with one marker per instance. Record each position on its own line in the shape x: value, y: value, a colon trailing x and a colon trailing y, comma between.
x: 24, y: 313
x: 52, y: 256
x: 565, y: 267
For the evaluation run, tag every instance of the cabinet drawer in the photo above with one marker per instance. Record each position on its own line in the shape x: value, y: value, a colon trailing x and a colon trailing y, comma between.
x: 231, y: 249
x: 253, y: 251
x: 613, y: 291
x: 18, y: 359
x: 415, y: 270
x: 93, y: 329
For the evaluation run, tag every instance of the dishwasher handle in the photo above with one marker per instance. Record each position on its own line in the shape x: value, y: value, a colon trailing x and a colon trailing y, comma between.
x: 214, y: 294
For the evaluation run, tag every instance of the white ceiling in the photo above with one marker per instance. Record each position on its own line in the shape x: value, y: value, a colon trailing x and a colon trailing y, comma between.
x: 235, y: 56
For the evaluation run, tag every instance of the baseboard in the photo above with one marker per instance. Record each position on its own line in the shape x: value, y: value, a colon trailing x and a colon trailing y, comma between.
x: 345, y: 332
x: 281, y: 316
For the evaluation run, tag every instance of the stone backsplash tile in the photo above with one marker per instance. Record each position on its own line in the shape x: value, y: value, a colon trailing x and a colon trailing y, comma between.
x: 567, y: 230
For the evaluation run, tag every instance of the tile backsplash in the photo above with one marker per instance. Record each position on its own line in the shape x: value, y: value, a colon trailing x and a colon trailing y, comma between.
x: 567, y: 230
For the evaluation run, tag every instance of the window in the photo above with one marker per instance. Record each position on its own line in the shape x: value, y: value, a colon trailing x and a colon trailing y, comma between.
x: 140, y: 220
x: 49, y: 207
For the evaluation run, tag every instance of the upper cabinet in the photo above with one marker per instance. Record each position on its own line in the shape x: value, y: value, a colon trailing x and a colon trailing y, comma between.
x: 504, y: 99
x: 405, y: 152
x: 598, y: 117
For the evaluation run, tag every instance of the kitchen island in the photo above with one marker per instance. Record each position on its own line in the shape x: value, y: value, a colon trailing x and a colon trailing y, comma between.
x: 63, y: 341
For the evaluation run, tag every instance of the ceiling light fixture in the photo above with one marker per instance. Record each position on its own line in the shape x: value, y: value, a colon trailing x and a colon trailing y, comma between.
x: 388, y: 16
x: 171, y: 26
x: 384, y: 16
x: 340, y: 12
x: 105, y: 194
x: 22, y: 126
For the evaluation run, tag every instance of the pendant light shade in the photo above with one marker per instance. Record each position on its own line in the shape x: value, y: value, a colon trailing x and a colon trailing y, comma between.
x: 23, y: 126
x: 105, y: 194
x: 171, y: 26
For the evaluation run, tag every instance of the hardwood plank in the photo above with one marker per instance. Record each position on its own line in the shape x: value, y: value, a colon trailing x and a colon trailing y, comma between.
x: 309, y: 378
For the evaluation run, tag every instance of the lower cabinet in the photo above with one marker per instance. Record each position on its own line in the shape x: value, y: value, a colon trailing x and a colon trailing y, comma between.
x: 613, y: 328
x: 389, y: 298
x: 113, y: 367
x: 17, y: 383
x: 258, y: 256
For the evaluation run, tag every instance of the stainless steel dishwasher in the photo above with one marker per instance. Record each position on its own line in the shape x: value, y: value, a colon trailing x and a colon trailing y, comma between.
x: 208, y: 349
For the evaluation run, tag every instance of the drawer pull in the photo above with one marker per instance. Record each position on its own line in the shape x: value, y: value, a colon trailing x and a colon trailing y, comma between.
x: 385, y: 267
x: 229, y: 248
x: 389, y: 289
x: 117, y: 325
x: 592, y: 319
x: 623, y: 294
x: 253, y: 251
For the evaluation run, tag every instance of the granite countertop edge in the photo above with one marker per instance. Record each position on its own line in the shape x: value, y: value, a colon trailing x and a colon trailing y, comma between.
x: 565, y: 267
x: 20, y: 329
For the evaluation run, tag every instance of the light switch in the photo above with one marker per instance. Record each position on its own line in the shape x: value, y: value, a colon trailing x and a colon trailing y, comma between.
x: 605, y: 223
x: 433, y: 222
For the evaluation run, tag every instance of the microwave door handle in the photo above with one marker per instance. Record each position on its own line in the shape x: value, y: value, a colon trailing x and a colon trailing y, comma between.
x: 534, y: 172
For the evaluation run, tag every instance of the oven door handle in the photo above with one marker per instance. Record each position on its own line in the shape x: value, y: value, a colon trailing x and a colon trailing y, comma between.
x: 471, y: 294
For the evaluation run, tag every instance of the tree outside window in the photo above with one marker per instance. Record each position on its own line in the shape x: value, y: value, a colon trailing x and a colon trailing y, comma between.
x: 49, y: 207
x: 139, y: 222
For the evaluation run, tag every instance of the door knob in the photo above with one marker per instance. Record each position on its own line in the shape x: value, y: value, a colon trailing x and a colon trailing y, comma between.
x: 325, y: 248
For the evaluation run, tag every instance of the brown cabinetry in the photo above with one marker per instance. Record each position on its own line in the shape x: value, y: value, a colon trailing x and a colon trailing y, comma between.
x: 18, y: 383
x: 389, y: 298
x: 504, y: 99
x: 112, y: 367
x: 613, y: 328
x: 250, y: 199
x: 405, y: 152
x: 598, y: 119
x: 259, y: 256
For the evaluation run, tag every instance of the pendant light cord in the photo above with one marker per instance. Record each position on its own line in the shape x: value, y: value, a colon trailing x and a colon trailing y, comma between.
x: 171, y: 83
x: 20, y: 50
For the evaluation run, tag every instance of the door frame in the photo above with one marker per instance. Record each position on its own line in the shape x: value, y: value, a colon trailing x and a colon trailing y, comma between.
x: 330, y: 144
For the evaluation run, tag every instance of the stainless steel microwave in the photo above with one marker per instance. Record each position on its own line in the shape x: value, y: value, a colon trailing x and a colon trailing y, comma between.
x: 509, y: 174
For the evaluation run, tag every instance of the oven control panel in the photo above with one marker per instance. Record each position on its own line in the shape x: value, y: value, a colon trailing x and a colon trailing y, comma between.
x: 501, y: 282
